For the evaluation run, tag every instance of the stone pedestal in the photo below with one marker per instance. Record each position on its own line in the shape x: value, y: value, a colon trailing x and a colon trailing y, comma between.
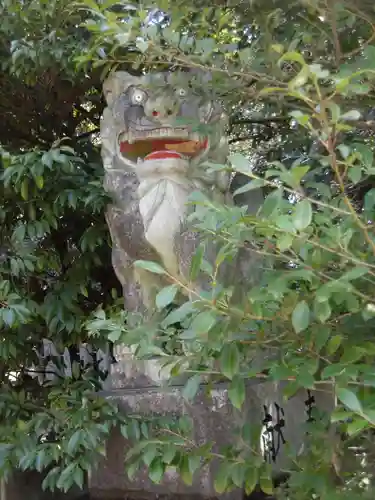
x: 138, y: 387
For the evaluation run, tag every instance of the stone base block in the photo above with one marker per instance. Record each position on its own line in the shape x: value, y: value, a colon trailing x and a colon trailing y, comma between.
x: 214, y: 420
x: 139, y: 387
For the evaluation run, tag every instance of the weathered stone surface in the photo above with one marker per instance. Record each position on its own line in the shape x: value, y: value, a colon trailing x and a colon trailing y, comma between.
x: 139, y: 387
x: 157, y: 132
x: 214, y: 420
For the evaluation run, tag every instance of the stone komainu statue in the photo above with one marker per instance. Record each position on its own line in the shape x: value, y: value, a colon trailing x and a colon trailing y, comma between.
x: 157, y: 131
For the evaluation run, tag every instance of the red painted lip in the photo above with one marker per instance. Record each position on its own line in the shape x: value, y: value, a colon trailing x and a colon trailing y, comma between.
x: 160, y: 155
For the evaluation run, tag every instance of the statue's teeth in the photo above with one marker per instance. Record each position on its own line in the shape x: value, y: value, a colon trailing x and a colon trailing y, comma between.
x: 133, y: 136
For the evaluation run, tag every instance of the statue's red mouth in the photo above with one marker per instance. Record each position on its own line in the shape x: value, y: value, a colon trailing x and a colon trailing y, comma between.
x: 162, y: 148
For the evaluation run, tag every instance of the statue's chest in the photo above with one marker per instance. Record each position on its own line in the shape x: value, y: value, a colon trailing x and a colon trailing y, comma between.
x: 122, y: 186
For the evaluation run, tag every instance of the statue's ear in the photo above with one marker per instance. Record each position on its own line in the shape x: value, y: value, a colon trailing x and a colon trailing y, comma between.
x: 117, y: 83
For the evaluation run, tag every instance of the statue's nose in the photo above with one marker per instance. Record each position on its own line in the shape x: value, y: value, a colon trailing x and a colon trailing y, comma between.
x: 164, y: 110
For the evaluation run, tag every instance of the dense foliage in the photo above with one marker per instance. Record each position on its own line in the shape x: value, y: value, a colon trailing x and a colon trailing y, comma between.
x: 297, y: 80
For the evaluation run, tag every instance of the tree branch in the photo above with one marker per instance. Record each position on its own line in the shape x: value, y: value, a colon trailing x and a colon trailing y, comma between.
x: 86, y: 134
x: 260, y: 121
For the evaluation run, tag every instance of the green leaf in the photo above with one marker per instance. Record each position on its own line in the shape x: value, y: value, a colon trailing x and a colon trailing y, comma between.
x: 272, y: 203
x: 185, y: 472
x: 251, y: 479
x: 349, y: 399
x: 355, y: 426
x: 178, y: 314
x: 253, y: 184
x: 369, y: 415
x: 153, y: 267
x: 353, y: 354
x: 185, y: 424
x: 237, y: 392
x: 115, y: 335
x: 196, y: 262
x: 240, y: 163
x: 166, y: 296
x: 366, y: 154
x: 66, y: 478
x: 78, y: 476
x: 169, y: 453
x: 352, y: 115
x: 292, y: 56
x: 124, y: 431
x: 222, y: 478
x: 290, y: 389
x: 333, y: 344
x: 191, y: 387
x: 39, y: 181
x: 156, y: 470
x: 265, y: 483
x: 333, y: 370
x: 355, y: 174
x: 300, y: 79
x: 285, y: 241
x: 145, y: 430
x: 298, y: 172
x: 19, y: 232
x: 302, y: 215
x: 301, y: 316
x: 203, y: 322
x: 8, y: 316
x: 305, y: 379
x: 194, y: 463
x: 344, y: 150
x: 322, y: 310
x: 25, y: 189
x: 142, y: 45
x: 230, y: 360
x: 341, y: 415
x: 301, y: 118
x: 134, y: 429
x: 355, y: 273
x: 238, y: 474
x: 149, y: 453
x: 73, y: 443
x: 369, y: 203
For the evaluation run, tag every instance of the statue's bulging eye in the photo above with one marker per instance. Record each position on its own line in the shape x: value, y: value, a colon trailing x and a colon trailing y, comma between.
x: 138, y: 96
x: 182, y: 92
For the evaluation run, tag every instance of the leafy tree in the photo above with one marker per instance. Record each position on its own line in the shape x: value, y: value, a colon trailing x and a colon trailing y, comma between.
x: 298, y: 82
x: 55, y: 251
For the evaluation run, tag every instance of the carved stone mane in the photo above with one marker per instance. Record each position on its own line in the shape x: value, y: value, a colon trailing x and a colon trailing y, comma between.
x: 157, y: 131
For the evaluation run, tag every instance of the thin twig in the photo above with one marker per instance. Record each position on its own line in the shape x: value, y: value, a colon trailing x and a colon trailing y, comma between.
x: 330, y: 145
x: 336, y: 40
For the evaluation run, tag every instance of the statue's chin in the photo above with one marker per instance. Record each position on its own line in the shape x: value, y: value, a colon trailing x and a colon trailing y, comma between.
x: 171, y: 167
x: 163, y: 205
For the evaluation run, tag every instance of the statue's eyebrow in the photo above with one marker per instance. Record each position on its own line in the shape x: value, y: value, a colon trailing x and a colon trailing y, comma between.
x: 139, y: 86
